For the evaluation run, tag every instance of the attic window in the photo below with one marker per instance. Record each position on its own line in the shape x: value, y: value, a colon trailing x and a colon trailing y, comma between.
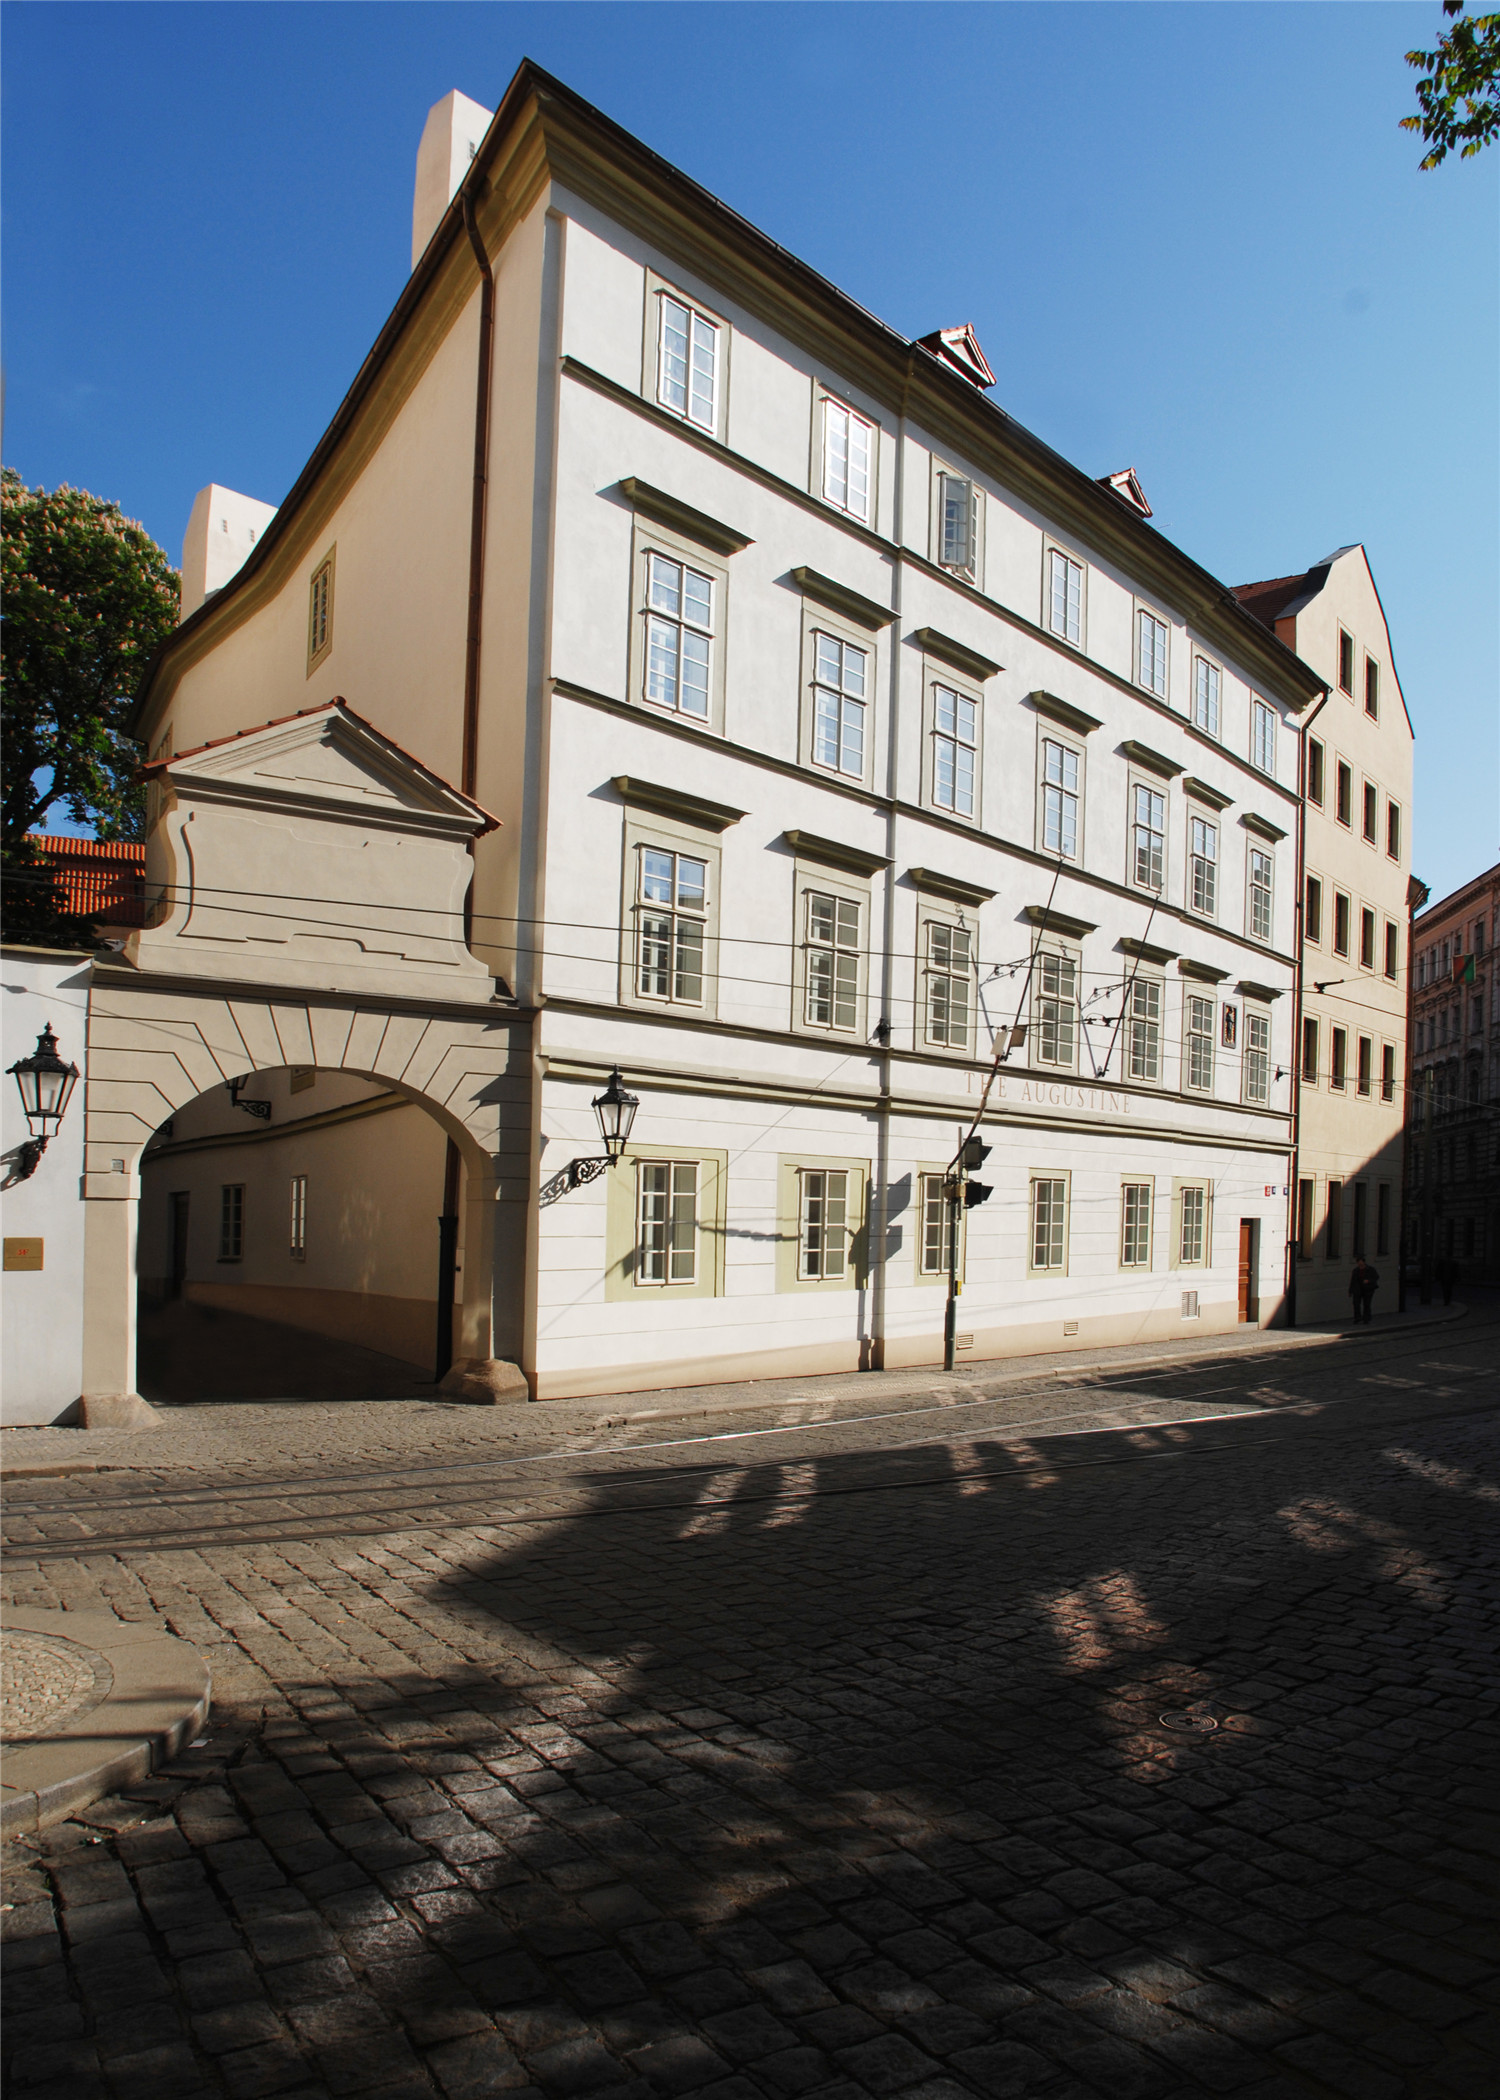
x: 958, y: 348
x: 1128, y: 489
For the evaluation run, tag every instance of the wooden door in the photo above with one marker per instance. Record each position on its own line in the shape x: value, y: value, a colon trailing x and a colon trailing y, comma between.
x: 1249, y: 1234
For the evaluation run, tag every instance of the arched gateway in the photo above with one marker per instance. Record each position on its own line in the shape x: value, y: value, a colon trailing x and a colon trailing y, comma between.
x: 308, y: 881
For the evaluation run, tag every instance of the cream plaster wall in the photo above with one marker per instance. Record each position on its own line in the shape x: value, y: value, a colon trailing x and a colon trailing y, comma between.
x: 1345, y: 1137
x: 41, y: 1311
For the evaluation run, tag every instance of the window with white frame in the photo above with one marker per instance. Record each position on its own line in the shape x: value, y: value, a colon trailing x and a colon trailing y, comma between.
x: 1060, y: 770
x: 1135, y: 1225
x: 848, y: 449
x: 1203, y: 866
x: 1151, y: 636
x: 955, y: 744
x: 1065, y: 596
x: 671, y: 911
x: 1143, y: 1021
x: 831, y: 961
x: 1260, y: 893
x: 1255, y: 1064
x: 666, y: 1221
x: 1049, y: 1223
x: 1192, y: 1227
x: 937, y: 1225
x: 957, y: 524
x: 1199, y: 1019
x: 679, y: 636
x: 840, y: 690
x: 687, y: 363
x: 1148, y: 837
x: 823, y: 1224
x: 1055, y: 1032
x: 1263, y: 737
x: 950, y: 971
x: 297, y: 1220
x: 1207, y: 682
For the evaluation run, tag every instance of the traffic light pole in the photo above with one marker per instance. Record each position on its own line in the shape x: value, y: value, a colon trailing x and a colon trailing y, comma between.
x: 954, y: 1191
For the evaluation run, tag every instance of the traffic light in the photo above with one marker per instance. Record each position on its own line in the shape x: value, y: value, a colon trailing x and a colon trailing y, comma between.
x: 975, y: 1153
x: 977, y: 1191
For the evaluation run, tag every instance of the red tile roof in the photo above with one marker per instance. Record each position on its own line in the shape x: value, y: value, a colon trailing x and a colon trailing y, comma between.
x: 102, y: 879
x: 1265, y: 601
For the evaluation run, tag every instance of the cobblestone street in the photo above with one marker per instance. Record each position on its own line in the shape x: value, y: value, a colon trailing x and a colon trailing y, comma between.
x: 941, y: 1753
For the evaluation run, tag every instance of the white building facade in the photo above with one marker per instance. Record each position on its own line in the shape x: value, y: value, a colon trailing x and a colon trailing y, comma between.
x: 841, y: 737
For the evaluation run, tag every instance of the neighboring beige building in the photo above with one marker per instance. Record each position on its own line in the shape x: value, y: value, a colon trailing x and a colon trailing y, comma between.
x: 1351, y: 1030
x: 836, y: 732
x: 1453, y: 1145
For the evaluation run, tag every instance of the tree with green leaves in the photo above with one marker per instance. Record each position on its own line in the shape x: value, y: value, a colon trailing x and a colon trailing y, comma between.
x: 88, y: 596
x: 1459, y: 99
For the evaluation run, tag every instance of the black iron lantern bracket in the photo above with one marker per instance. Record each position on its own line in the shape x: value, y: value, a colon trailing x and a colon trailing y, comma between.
x: 46, y: 1086
x: 615, y: 1110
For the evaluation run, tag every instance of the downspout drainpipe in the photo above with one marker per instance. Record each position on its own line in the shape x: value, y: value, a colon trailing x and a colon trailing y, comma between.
x: 1294, y: 1067
x: 448, y: 1222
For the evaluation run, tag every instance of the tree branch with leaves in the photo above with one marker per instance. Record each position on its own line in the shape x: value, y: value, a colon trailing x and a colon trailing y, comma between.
x: 1459, y: 99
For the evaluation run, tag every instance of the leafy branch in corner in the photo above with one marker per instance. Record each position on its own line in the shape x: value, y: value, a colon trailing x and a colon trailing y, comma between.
x: 1459, y: 99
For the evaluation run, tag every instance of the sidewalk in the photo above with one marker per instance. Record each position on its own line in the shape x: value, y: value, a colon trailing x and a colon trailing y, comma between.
x: 239, y: 1435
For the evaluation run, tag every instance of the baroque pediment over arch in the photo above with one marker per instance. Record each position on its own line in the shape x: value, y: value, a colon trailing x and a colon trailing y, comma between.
x: 311, y: 852
x: 328, y: 760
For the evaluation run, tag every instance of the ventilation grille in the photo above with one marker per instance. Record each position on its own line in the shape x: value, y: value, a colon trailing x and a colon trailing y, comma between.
x: 1069, y: 1327
x: 1190, y: 1305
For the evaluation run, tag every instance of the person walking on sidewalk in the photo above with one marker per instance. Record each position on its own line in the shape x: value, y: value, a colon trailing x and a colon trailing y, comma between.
x: 1363, y: 1284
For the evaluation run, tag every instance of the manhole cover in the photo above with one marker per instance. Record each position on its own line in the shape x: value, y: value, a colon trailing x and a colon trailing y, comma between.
x: 1189, y: 1723
x: 45, y: 1682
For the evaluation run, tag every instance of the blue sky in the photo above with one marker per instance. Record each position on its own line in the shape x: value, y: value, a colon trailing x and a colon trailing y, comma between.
x: 1191, y: 238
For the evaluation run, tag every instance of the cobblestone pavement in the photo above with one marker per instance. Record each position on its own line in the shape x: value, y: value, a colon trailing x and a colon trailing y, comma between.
x: 942, y: 1754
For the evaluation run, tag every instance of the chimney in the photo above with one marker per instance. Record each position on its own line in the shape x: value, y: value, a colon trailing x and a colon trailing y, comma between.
x: 222, y: 531
x: 450, y: 140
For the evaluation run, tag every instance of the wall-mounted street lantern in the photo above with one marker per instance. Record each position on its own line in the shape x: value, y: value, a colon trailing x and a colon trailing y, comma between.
x: 615, y: 1110
x: 46, y: 1085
